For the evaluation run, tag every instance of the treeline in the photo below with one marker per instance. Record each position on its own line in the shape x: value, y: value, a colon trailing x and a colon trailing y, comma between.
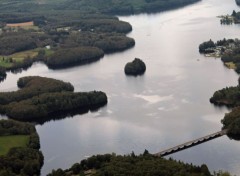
x: 142, y: 165
x: 21, y: 160
x: 45, y: 98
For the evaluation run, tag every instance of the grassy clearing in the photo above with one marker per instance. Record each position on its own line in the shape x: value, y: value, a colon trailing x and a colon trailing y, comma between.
x: 8, y: 142
x: 8, y: 61
x: 4, y: 63
x: 21, y: 55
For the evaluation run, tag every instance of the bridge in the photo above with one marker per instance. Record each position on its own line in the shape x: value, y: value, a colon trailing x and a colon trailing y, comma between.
x: 191, y: 143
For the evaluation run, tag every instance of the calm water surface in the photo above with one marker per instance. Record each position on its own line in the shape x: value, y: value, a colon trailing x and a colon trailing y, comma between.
x: 166, y: 106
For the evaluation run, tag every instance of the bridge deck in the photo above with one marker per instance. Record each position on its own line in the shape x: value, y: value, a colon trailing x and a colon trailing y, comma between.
x: 191, y: 143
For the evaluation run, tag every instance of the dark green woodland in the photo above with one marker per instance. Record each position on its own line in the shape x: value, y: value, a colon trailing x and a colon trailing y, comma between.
x: 42, y: 98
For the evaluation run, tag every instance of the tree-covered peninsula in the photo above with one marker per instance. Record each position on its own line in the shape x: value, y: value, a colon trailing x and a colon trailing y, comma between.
x: 136, y: 67
x: 142, y: 165
x: 44, y: 99
x: 19, y: 149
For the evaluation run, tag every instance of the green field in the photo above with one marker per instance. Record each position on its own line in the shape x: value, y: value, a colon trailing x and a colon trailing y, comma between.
x: 8, y: 142
x: 8, y: 61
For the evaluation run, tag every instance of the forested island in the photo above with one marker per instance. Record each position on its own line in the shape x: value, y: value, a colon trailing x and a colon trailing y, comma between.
x: 19, y: 149
x: 35, y: 102
x: 136, y: 67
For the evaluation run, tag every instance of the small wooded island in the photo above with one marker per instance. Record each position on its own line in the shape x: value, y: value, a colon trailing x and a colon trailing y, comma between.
x: 44, y: 99
x: 136, y: 67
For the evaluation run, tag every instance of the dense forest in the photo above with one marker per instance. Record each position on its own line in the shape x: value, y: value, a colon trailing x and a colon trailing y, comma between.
x: 26, y: 160
x: 134, y: 165
x: 142, y: 165
x: 93, y: 6
x: 136, y: 67
x: 33, y: 101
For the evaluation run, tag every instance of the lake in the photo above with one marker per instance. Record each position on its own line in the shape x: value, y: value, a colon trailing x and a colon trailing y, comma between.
x: 166, y: 106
